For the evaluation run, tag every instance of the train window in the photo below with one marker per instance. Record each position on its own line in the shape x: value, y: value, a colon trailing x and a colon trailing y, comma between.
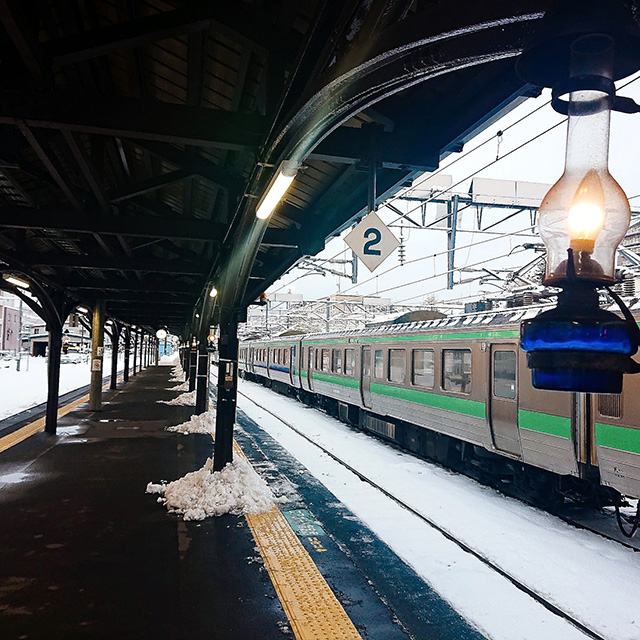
x: 366, y: 363
x: 285, y: 353
x: 504, y: 374
x: 397, y: 365
x: 378, y: 364
x: 349, y: 362
x: 325, y: 360
x: 302, y: 358
x: 336, y: 360
x: 456, y: 370
x: 423, y: 368
x: 610, y: 405
x: 318, y: 366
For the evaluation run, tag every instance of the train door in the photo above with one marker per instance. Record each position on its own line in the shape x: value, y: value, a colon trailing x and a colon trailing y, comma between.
x: 503, y: 398
x: 310, y: 361
x: 301, y: 365
x: 292, y: 364
x: 365, y: 376
x: 249, y: 366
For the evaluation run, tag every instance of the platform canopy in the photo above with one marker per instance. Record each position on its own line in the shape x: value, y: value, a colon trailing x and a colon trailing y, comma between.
x: 137, y: 136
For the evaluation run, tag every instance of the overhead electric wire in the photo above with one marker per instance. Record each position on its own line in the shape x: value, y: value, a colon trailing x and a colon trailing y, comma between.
x: 439, y: 253
x: 459, y: 182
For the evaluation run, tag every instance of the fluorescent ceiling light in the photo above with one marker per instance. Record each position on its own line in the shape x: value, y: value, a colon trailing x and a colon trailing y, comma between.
x: 23, y: 284
x: 82, y: 309
x: 214, y: 292
x: 276, y: 189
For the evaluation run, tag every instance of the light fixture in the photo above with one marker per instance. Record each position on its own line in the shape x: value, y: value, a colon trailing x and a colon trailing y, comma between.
x: 277, y: 188
x: 577, y: 346
x: 161, y: 334
x: 213, y: 293
x: 82, y: 309
x: 18, y: 282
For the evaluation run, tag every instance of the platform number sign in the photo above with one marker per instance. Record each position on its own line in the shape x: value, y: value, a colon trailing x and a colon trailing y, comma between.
x: 372, y: 241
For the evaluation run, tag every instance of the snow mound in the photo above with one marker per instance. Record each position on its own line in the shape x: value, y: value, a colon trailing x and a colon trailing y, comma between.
x: 180, y: 387
x: 169, y: 360
x: 185, y: 399
x: 237, y: 489
x: 202, y: 423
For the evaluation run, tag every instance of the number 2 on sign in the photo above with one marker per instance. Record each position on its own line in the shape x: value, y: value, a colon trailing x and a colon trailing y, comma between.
x: 377, y: 236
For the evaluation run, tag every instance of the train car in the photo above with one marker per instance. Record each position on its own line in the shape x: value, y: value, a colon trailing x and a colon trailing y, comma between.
x: 458, y: 390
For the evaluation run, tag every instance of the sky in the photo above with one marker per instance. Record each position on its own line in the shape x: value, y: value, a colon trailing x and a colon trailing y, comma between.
x: 541, y: 160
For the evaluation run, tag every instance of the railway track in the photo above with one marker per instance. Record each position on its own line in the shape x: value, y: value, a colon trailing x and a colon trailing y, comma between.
x: 590, y: 633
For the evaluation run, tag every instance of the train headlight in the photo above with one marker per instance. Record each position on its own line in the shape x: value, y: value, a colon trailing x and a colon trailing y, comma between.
x: 583, y: 218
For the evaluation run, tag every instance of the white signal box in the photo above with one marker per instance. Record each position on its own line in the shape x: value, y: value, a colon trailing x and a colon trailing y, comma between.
x: 372, y: 241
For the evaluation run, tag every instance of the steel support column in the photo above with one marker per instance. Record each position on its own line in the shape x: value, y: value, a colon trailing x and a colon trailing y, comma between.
x: 97, y: 355
x: 115, y: 342
x: 452, y: 227
x: 135, y: 351
x: 141, y: 350
x: 53, y: 377
x: 127, y: 352
x: 202, y: 383
x: 193, y: 363
x: 227, y: 393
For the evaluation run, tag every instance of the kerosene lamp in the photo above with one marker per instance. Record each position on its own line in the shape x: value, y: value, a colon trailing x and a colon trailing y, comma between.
x: 577, y: 346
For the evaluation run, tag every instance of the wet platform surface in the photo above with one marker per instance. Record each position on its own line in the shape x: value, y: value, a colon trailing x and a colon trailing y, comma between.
x: 86, y: 553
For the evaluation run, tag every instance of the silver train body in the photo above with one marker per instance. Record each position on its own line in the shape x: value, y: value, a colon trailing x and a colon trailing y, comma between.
x: 464, y: 378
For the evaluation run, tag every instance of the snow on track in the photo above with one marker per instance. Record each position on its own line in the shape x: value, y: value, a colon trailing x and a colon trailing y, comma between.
x: 593, y: 579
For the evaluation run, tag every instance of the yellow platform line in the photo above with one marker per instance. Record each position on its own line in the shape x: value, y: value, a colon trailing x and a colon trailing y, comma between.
x: 311, y: 607
x: 38, y: 425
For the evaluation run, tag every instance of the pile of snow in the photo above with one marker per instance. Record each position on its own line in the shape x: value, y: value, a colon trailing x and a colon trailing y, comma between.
x: 180, y: 387
x: 170, y: 360
x: 202, y: 423
x: 177, y: 374
x: 185, y: 399
x: 237, y: 489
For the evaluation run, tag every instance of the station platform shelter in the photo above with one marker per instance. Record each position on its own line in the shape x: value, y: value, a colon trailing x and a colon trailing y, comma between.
x: 87, y: 552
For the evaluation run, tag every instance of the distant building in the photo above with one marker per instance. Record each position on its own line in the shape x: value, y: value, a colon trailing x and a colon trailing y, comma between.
x: 75, y: 338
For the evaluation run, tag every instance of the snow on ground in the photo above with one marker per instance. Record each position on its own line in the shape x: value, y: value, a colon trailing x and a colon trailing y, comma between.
x: 184, y: 386
x: 237, y: 489
x: 22, y: 389
x: 185, y: 399
x: 594, y: 579
x: 173, y: 359
x: 201, y: 423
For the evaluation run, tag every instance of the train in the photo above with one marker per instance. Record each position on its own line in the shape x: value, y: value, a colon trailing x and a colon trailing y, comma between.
x: 457, y: 390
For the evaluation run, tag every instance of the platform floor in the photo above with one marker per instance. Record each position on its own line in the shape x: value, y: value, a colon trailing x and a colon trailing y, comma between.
x: 86, y: 553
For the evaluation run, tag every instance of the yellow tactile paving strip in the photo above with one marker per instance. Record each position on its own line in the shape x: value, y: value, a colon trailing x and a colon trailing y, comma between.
x: 37, y: 425
x: 311, y: 607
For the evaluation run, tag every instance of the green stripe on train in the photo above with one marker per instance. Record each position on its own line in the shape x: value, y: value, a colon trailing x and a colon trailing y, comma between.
x: 448, y: 403
x: 544, y: 423
x: 344, y: 382
x: 615, y: 437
